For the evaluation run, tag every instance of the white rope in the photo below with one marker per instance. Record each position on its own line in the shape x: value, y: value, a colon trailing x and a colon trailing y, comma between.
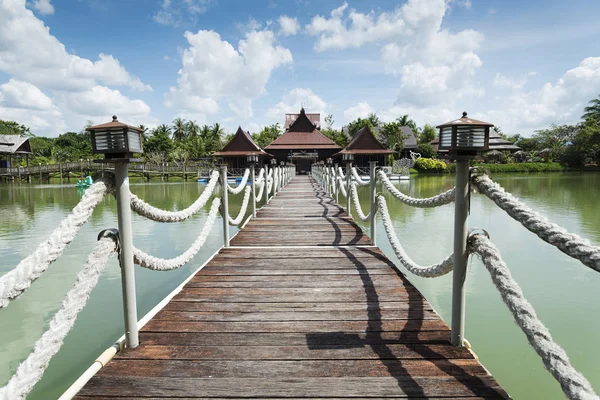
x: 242, y: 213
x: 358, y: 180
x: 269, y: 185
x: 342, y: 186
x: 161, y: 264
x: 555, y: 359
x: 432, y: 271
x: 156, y: 214
x: 261, y: 189
x: 572, y: 245
x: 359, y: 212
x: 242, y: 184
x: 429, y: 202
x: 341, y: 173
x: 16, y: 281
x: 32, y: 368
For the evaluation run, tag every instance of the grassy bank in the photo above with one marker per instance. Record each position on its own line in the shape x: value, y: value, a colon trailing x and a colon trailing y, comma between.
x: 523, y: 167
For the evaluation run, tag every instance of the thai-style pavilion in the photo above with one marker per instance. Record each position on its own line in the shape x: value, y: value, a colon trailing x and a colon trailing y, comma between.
x: 14, y: 145
x: 302, y: 143
x: 235, y: 153
x: 365, y: 147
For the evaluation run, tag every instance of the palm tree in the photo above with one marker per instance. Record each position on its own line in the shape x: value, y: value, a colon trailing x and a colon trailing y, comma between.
x: 593, y: 110
x: 406, y: 121
x: 179, y: 129
x: 192, y: 129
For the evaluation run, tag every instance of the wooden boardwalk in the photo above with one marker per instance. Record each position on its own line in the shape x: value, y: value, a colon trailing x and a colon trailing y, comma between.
x: 275, y: 316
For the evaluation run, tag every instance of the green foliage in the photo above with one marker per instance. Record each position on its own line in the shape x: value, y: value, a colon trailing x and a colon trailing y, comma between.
x: 427, y: 134
x: 391, y: 136
x: 593, y: 110
x: 426, y: 150
x: 159, y: 144
x: 523, y: 167
x: 585, y: 145
x: 267, y: 135
x: 13, y: 128
x: 430, y: 165
x: 371, y: 121
x: 336, y: 135
x: 556, y: 137
x: 406, y: 121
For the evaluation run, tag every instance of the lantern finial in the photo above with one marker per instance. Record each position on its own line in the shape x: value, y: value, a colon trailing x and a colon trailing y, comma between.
x: 115, y: 118
x: 464, y: 114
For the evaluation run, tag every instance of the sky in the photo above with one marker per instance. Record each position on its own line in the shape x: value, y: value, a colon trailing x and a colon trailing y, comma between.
x: 521, y: 65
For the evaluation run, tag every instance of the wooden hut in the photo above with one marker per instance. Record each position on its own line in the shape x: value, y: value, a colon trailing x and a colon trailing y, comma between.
x: 235, y: 153
x: 302, y: 143
x: 11, y: 146
x: 365, y: 147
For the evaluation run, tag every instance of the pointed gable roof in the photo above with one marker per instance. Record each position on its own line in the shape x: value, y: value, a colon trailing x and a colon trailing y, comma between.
x: 14, y: 144
x: 302, y: 134
x: 241, y: 144
x: 364, y: 142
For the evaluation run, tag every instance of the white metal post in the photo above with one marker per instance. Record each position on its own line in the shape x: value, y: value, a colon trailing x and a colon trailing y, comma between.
x: 253, y: 189
x: 336, y: 186
x: 126, y: 254
x: 348, y: 187
x: 225, y: 205
x: 266, y: 189
x: 372, y: 193
x: 461, y: 210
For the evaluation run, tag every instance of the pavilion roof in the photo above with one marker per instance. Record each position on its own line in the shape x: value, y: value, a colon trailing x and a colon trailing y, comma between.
x: 364, y: 142
x: 302, y: 134
x: 241, y: 144
x: 14, y: 144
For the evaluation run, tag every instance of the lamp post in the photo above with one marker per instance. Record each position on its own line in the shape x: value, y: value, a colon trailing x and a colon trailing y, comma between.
x: 252, y: 160
x: 274, y: 168
x: 118, y: 142
x: 464, y: 138
x: 348, y: 158
x: 329, y: 163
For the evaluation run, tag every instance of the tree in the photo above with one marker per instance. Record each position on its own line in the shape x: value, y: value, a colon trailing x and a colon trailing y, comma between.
x: 179, y: 129
x: 338, y: 136
x: 13, y: 128
x: 426, y: 150
x: 267, y: 135
x: 391, y: 136
x: 555, y: 138
x: 593, y: 110
x: 406, y: 121
x: 159, y: 142
x: 193, y: 129
x: 427, y: 134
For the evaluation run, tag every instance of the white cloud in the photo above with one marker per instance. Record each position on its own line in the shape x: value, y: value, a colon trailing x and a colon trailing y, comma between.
x: 296, y: 98
x: 180, y: 12
x: 214, y: 70
x: 502, y: 81
x: 361, y: 110
x: 288, y: 26
x: 102, y: 102
x: 19, y: 94
x: 434, y: 64
x: 44, y: 7
x: 561, y: 102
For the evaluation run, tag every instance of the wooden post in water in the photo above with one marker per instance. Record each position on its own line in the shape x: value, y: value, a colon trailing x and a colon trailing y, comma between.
x: 225, y: 205
x: 372, y: 193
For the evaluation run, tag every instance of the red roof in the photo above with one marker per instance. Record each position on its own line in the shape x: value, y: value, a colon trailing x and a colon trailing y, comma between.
x: 302, y: 134
x: 364, y: 142
x: 241, y: 144
x: 113, y: 124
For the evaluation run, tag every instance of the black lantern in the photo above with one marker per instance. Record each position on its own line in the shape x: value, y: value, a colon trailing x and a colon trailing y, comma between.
x: 329, y: 161
x: 273, y: 162
x: 116, y: 140
x: 252, y: 158
x: 348, y: 157
x: 464, y: 137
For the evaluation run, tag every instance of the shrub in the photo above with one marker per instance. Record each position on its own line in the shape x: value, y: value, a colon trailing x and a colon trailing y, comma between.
x: 426, y: 150
x: 430, y: 165
x: 523, y: 167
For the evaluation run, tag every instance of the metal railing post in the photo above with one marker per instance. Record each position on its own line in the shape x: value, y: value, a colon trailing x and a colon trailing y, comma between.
x: 266, y: 189
x: 348, y: 188
x: 461, y: 210
x: 336, y: 186
x: 372, y: 193
x: 253, y: 190
x: 126, y: 254
x: 225, y: 205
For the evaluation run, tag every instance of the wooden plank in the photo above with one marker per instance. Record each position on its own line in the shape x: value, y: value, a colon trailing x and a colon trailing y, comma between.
x: 301, y: 263
x: 413, y: 305
x: 373, y: 387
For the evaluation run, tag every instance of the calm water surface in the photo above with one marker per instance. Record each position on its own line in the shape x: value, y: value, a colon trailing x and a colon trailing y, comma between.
x: 564, y: 292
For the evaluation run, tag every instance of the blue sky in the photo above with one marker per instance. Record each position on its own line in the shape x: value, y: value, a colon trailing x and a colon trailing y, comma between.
x: 520, y: 65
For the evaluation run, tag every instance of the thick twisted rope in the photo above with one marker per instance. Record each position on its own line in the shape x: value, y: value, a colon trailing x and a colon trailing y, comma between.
x: 261, y: 189
x: 269, y: 184
x: 341, y: 173
x: 31, y: 370
x: 359, y: 212
x: 432, y: 271
x: 242, y: 185
x: 156, y: 214
x: 161, y: 264
x: 555, y: 359
x: 357, y: 178
x: 569, y: 243
x: 429, y: 202
x: 238, y: 220
x: 342, y: 186
x: 16, y: 281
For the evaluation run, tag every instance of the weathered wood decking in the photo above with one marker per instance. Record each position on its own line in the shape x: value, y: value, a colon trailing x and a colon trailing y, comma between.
x: 271, y: 317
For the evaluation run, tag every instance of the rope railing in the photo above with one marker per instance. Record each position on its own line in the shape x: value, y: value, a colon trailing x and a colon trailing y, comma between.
x: 242, y: 185
x: 554, y: 357
x: 358, y: 179
x: 356, y: 203
x: 430, y: 202
x: 238, y: 220
x: 569, y: 243
x: 30, y: 371
x: 156, y: 214
x: 160, y: 264
x: 16, y: 281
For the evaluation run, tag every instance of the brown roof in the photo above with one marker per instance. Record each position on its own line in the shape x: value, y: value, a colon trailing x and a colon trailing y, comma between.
x: 241, y: 144
x: 14, y: 144
x: 464, y: 120
x: 302, y: 134
x: 291, y: 118
x: 113, y: 124
x: 364, y: 142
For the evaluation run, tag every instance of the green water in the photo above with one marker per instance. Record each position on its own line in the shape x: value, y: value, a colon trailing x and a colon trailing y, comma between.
x: 563, y: 291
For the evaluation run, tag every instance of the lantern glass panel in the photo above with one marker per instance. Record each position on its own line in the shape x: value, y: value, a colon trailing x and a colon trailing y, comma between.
x: 135, y: 142
x: 470, y: 136
x: 110, y: 141
x: 446, y: 136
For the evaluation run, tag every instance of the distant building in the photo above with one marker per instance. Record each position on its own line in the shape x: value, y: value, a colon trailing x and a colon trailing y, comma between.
x: 11, y: 146
x: 302, y: 143
x: 365, y: 147
x: 496, y: 142
x: 239, y: 147
x: 410, y: 141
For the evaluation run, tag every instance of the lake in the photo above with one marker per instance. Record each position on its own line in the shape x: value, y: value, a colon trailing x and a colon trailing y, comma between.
x: 563, y: 291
